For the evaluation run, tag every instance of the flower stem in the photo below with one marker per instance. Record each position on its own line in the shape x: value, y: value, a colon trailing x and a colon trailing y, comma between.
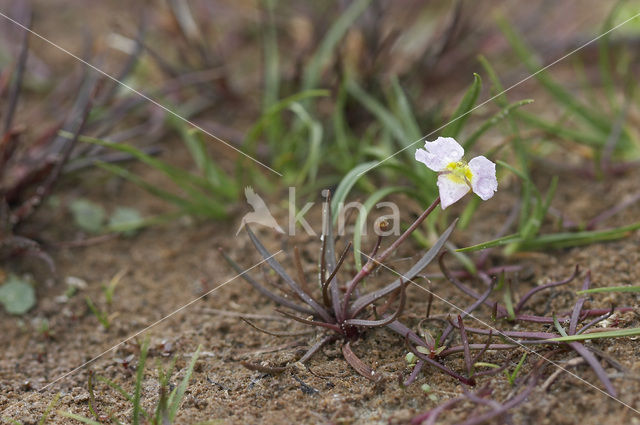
x: 372, y: 263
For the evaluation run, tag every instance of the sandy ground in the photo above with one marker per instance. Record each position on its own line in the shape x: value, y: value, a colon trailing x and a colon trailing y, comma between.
x: 171, y: 265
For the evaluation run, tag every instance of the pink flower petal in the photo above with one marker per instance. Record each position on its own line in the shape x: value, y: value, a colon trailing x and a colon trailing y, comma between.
x: 441, y: 152
x: 450, y: 191
x: 483, y: 181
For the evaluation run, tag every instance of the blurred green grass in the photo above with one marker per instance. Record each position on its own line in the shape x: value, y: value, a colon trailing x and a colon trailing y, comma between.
x: 307, y: 131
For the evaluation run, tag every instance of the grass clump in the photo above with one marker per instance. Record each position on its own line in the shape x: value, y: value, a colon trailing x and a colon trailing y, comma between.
x: 170, y: 397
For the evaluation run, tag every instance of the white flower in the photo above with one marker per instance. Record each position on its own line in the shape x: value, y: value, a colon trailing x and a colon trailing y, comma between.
x: 455, y: 176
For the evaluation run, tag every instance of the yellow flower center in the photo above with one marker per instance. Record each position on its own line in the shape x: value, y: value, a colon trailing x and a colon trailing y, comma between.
x: 459, y: 172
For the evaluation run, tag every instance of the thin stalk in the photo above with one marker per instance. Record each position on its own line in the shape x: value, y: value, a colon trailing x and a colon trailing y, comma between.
x: 465, y: 345
x: 577, y: 309
x: 596, y: 320
x: 414, y: 373
x: 325, y: 284
x: 373, y: 262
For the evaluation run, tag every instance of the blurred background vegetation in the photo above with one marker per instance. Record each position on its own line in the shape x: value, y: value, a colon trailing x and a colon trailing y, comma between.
x: 328, y: 94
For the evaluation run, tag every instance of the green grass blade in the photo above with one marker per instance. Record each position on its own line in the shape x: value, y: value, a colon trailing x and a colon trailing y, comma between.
x: 163, y: 379
x: 196, y: 149
x: 190, y: 183
x: 275, y: 129
x: 398, y: 129
x: 621, y: 333
x: 497, y: 89
x: 420, y: 176
x: 404, y: 111
x: 100, y: 315
x: 566, y: 98
x: 267, y: 117
x: 122, y: 392
x: 78, y: 418
x: 467, y: 213
x: 533, y: 224
x: 165, y: 375
x: 507, y: 296
x: 344, y: 139
x: 312, y: 163
x: 92, y: 397
x: 330, y: 41
x: 558, y: 326
x: 562, y: 132
x: 568, y: 239
x: 512, y: 377
x: 518, y: 145
x: 610, y: 289
x: 462, y: 113
x: 116, y: 387
x: 215, y: 178
x: 528, y: 188
x: 386, y: 118
x: 513, y: 169
x: 551, y: 193
x: 491, y: 122
x: 557, y: 240
x: 176, y: 396
x: 48, y: 410
x: 200, y: 206
x: 345, y: 186
x: 524, y: 176
x: 137, y: 393
x: 466, y: 262
x: 604, y: 56
x: 153, y: 189
x: 586, y: 86
x: 491, y: 244
x: 271, y: 58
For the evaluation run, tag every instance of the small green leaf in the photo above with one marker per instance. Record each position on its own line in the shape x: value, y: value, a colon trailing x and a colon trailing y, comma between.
x: 411, y: 359
x: 423, y: 350
x: 17, y: 295
x: 88, y: 215
x: 330, y: 41
x: 439, y: 350
x: 125, y: 220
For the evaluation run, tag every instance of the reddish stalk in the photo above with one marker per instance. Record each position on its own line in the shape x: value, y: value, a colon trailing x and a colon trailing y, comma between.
x: 372, y: 263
